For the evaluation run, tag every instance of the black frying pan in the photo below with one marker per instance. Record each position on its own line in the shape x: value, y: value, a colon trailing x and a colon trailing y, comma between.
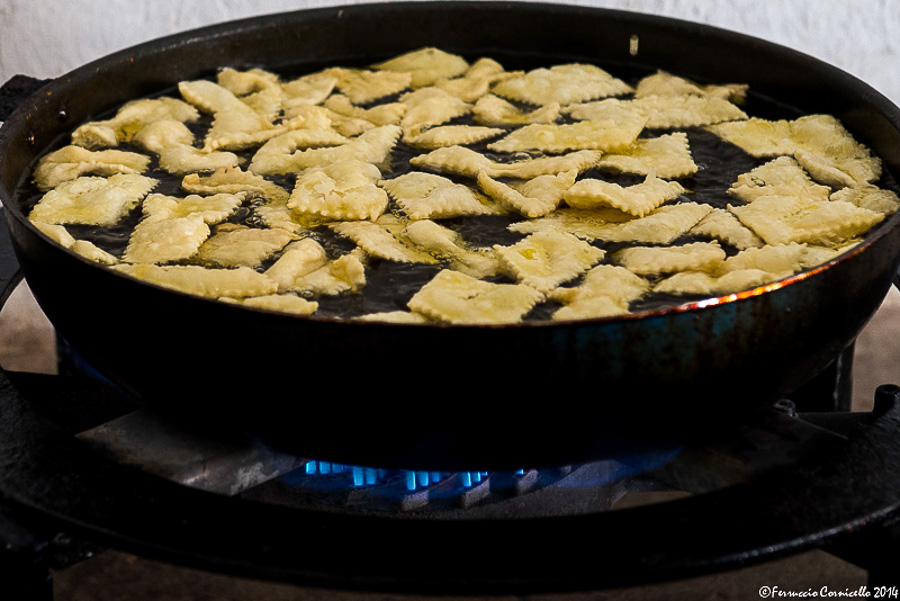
x: 457, y: 396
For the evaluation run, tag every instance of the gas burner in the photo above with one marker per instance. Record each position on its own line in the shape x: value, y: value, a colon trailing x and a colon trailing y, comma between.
x: 80, y: 457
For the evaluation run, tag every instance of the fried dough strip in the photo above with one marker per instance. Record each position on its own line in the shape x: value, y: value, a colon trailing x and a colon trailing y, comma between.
x: 430, y: 196
x: 426, y: 66
x: 493, y: 111
x: 373, y: 146
x: 132, y: 117
x: 194, y: 279
x: 582, y: 135
x: 563, y: 84
x: 173, y: 142
x: 652, y: 260
x: 71, y: 162
x: 531, y: 198
x: 459, y: 160
x: 235, y: 181
x: 606, y: 290
x: 636, y: 200
x: 476, y: 82
x: 663, y: 83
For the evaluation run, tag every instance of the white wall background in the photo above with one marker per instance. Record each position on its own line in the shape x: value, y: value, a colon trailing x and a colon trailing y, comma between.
x: 46, y: 38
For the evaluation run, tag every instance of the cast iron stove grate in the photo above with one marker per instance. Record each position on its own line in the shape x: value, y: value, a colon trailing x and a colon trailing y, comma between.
x: 75, y: 482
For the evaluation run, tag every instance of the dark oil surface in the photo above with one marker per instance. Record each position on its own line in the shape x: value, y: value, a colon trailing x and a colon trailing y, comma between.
x: 390, y: 285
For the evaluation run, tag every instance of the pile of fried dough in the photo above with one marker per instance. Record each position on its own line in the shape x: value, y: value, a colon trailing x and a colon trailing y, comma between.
x: 316, y: 152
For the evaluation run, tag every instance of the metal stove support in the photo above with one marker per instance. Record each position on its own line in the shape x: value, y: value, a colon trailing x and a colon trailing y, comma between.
x: 831, y: 390
x: 23, y: 574
x: 29, y: 551
x: 876, y: 548
x: 884, y: 560
x: 49, y: 484
x: 170, y: 450
x: 35, y: 548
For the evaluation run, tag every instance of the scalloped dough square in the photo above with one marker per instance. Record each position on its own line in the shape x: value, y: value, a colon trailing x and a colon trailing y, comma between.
x: 578, y: 162
x: 299, y: 258
x: 166, y: 240
x: 872, y: 198
x: 667, y: 157
x: 93, y: 200
x: 661, y: 112
x: 211, y: 209
x: 670, y: 112
x: 343, y: 190
x: 454, y: 297
x: 700, y: 283
x: 780, y: 260
x: 282, y: 154
x: 243, y: 246
x: 782, y: 176
x: 544, y: 260
x: 428, y: 107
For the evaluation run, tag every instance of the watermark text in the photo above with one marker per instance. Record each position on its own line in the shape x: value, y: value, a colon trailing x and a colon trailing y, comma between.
x: 826, y: 592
